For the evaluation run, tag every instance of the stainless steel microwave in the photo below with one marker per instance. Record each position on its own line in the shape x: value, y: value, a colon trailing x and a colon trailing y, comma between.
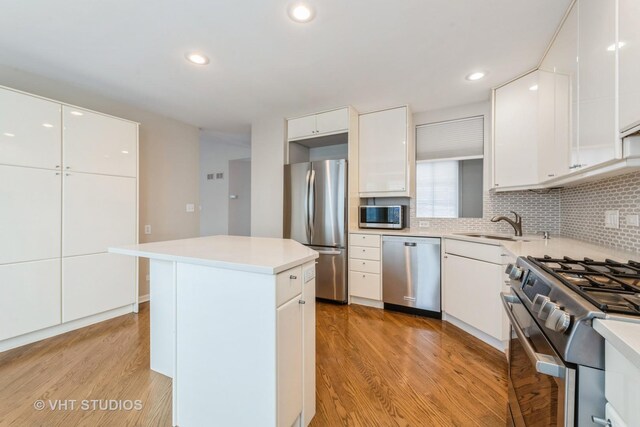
x: 393, y: 217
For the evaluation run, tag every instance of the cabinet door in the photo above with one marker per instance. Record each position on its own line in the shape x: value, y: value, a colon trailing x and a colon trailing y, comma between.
x: 93, y: 284
x: 29, y: 297
x: 365, y: 285
x: 383, y: 151
x: 516, y: 133
x: 333, y: 121
x: 98, y: 211
x: 302, y: 127
x: 553, y: 124
x: 30, y: 131
x: 309, y: 348
x: 598, y: 130
x: 29, y: 214
x: 289, y: 344
x: 473, y: 294
x: 561, y: 59
x: 629, y: 57
x: 96, y: 143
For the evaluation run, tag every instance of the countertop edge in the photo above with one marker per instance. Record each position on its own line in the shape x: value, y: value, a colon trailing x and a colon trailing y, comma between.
x: 605, y: 328
x: 215, y: 263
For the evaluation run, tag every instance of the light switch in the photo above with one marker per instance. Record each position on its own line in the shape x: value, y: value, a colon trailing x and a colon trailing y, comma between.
x: 611, y: 219
x: 147, y: 229
x: 191, y: 207
x: 633, y: 220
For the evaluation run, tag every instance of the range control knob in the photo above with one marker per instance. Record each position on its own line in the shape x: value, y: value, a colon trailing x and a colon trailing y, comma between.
x: 558, y: 320
x: 515, y: 273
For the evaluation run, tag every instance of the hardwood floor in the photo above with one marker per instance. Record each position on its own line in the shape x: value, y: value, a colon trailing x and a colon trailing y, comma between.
x: 374, y: 368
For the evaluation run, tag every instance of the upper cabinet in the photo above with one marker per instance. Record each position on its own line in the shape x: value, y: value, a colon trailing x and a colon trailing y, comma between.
x: 96, y: 143
x: 386, y: 154
x: 597, y: 128
x: 629, y: 63
x: 321, y: 124
x: 30, y: 131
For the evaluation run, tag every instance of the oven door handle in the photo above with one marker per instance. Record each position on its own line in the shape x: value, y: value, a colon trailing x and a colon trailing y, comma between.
x: 544, y: 363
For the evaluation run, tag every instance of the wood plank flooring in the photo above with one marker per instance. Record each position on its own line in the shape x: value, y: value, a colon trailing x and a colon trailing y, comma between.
x: 374, y: 368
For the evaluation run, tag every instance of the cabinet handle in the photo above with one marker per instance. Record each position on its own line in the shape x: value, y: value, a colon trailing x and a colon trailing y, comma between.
x: 57, y: 173
x: 57, y: 166
x: 68, y: 167
x: 302, y: 301
x: 67, y: 174
x: 292, y: 277
x: 364, y: 275
x: 445, y: 257
x: 551, y: 175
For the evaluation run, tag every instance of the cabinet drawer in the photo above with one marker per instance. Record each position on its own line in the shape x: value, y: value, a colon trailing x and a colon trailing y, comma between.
x: 288, y: 285
x: 359, y: 252
x: 478, y: 251
x: 365, y: 266
x: 365, y: 285
x: 368, y: 240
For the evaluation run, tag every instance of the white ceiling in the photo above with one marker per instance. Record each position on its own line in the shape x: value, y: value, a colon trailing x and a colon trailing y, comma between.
x: 367, y: 53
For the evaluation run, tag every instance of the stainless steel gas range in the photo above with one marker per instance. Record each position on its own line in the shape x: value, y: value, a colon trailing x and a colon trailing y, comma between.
x: 556, y: 358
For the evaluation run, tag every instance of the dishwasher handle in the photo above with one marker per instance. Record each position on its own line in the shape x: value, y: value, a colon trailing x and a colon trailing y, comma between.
x: 410, y: 244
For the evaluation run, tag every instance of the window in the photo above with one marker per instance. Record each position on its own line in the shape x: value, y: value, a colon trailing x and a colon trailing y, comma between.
x: 449, y: 168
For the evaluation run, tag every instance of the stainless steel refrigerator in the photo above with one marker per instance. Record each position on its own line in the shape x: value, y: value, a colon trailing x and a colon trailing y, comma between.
x: 315, y: 214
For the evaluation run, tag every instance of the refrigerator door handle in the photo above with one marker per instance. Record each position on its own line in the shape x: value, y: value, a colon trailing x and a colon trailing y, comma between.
x: 312, y: 204
x: 306, y: 207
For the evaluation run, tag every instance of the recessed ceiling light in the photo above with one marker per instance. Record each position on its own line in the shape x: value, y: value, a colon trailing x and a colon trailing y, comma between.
x: 124, y: 152
x: 47, y: 125
x: 475, y: 76
x: 534, y: 87
x: 8, y: 134
x: 197, y: 58
x: 613, y: 46
x: 301, y: 12
x: 76, y: 113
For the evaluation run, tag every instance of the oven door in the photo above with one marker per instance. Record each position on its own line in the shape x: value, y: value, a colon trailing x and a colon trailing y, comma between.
x: 541, y: 386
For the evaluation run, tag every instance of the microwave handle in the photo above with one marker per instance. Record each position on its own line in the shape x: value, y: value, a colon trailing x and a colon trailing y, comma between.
x: 544, y: 363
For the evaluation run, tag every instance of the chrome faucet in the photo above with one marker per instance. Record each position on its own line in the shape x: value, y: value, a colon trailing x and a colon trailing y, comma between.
x: 517, y: 224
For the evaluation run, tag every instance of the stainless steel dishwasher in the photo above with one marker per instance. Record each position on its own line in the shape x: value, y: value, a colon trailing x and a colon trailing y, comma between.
x: 411, y: 275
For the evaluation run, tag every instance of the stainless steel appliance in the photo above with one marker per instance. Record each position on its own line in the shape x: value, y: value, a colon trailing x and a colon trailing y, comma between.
x: 315, y: 200
x: 411, y: 274
x: 391, y: 217
x: 556, y: 358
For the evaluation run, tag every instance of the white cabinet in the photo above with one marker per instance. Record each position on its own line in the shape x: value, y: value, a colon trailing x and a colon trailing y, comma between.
x: 29, y: 214
x: 386, y: 154
x: 473, y: 277
x: 321, y: 124
x: 30, y: 297
x: 622, y: 389
x: 597, y: 127
x: 515, y: 143
x: 96, y: 283
x: 309, y: 349
x: 98, y: 211
x: 96, y: 143
x: 29, y: 131
x: 629, y: 63
x: 365, y: 280
x: 290, y: 356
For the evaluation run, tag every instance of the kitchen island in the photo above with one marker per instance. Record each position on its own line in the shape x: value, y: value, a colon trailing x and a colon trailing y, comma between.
x: 233, y: 323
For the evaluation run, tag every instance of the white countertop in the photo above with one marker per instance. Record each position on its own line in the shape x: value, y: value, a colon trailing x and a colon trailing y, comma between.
x: 624, y: 336
x: 253, y: 254
x: 533, y: 245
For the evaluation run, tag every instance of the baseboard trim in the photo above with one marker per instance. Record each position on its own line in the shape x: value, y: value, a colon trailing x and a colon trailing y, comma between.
x: 143, y: 298
x: 52, y: 331
x: 366, y: 301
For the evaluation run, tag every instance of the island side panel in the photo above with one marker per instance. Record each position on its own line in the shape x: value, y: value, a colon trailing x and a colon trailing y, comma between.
x: 226, y: 347
x: 163, y: 324
x: 309, y: 342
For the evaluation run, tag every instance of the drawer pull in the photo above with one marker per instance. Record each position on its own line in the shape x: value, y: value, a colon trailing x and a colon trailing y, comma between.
x: 364, y: 275
x: 301, y: 301
x: 292, y: 277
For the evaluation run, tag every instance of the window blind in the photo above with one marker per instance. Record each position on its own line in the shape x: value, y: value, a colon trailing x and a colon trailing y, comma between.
x: 462, y: 138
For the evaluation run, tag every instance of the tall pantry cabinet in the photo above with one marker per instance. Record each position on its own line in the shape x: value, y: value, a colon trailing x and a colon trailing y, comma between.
x: 68, y: 191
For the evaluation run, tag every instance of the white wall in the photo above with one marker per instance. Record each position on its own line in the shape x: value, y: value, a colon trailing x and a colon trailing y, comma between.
x: 168, y: 158
x: 267, y: 166
x: 216, y: 149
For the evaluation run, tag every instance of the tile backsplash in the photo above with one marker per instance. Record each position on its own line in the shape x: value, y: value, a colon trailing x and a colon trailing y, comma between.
x: 582, y: 211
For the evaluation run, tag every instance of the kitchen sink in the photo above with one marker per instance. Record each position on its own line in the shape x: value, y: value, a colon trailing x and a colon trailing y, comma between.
x: 493, y: 237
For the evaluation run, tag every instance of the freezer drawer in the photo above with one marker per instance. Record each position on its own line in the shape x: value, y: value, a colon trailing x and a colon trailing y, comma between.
x: 331, y: 273
x: 411, y: 272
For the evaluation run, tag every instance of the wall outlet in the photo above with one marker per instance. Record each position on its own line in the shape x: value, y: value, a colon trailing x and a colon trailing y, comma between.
x: 148, y: 278
x: 424, y: 224
x: 147, y: 229
x: 191, y: 207
x: 633, y: 220
x: 611, y: 219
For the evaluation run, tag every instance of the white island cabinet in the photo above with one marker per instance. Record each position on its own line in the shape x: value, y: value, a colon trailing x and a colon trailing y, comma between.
x: 233, y: 323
